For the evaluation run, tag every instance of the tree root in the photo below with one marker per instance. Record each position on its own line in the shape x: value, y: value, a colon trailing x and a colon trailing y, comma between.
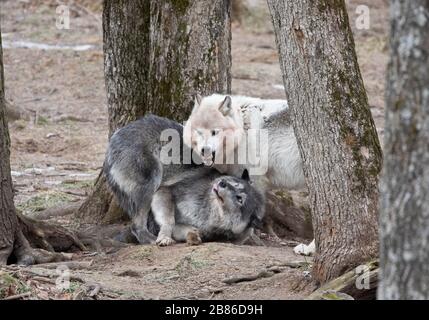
x: 352, y: 284
x: 285, y: 218
x: 269, y: 271
x: 47, y: 236
x: 262, y: 274
x: 38, y: 242
x: 60, y: 211
x: 26, y: 255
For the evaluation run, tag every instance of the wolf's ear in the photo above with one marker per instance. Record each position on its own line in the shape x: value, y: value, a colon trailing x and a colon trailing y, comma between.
x: 225, y: 106
x: 245, y: 175
x: 197, y: 102
x: 198, y: 99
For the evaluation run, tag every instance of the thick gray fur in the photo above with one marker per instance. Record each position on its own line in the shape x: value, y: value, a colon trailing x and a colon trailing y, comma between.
x: 135, y: 174
x: 215, y: 206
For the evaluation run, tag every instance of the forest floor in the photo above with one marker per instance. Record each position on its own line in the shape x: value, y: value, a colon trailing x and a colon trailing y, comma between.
x: 58, y: 149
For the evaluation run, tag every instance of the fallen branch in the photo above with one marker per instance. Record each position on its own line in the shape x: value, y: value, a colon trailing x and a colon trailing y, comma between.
x: 18, y: 296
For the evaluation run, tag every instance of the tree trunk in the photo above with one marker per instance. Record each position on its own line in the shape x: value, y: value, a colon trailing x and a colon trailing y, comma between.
x: 158, y: 54
x: 8, y: 220
x: 14, y: 229
x: 190, y: 53
x: 335, y: 131
x: 404, y: 218
x: 126, y: 59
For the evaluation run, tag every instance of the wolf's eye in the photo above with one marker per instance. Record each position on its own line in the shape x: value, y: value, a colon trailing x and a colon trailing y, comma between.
x: 240, y: 199
x: 214, y: 132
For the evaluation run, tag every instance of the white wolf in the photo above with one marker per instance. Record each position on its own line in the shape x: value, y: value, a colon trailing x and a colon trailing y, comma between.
x: 220, y: 125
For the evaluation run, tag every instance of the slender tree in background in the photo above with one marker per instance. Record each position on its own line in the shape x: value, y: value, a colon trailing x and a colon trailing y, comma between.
x: 404, y: 218
x: 157, y: 55
x: 334, y: 128
x: 8, y: 220
x: 18, y: 233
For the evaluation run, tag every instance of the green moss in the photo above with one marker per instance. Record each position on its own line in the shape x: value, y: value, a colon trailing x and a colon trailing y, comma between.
x: 84, y: 184
x: 170, y: 89
x: 331, y: 296
x: 143, y: 252
x: 180, y: 6
x: 73, y: 287
x: 41, y: 121
x: 324, y: 5
x: 357, y: 128
x: 43, y: 201
x: 9, y: 283
x: 190, y: 262
x: 285, y: 197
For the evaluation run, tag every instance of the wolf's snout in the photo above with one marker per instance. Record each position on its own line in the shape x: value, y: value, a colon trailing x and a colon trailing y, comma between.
x: 206, y: 150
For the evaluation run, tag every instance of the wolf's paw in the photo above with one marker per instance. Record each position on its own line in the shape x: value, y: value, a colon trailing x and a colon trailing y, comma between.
x: 164, y: 241
x: 305, y: 250
x: 193, y: 238
x: 143, y: 236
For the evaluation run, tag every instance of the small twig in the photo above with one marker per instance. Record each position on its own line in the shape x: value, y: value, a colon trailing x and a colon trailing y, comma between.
x: 95, y: 291
x: 290, y: 264
x: 18, y: 296
x: 79, y: 194
x: 262, y: 274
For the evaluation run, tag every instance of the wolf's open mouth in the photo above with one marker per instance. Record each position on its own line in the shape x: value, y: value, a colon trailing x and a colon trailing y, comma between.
x: 209, y: 161
x: 217, y: 194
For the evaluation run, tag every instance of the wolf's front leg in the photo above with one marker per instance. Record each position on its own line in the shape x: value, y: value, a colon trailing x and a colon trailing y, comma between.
x: 139, y: 226
x: 163, y: 212
x: 190, y: 234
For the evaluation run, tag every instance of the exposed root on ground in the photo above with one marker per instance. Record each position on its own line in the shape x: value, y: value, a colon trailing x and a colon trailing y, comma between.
x: 358, y: 285
x: 60, y: 211
x: 266, y: 273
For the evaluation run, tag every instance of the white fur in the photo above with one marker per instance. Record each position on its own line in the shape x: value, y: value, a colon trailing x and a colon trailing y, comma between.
x: 284, y: 164
x: 125, y: 183
x: 305, y: 250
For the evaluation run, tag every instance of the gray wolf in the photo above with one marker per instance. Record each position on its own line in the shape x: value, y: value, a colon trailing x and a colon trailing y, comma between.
x: 219, y: 126
x: 207, y: 206
x: 139, y: 175
x: 134, y: 169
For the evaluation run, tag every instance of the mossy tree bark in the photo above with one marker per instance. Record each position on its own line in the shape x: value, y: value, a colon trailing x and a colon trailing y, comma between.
x: 335, y: 131
x: 158, y: 54
x: 404, y: 217
x: 190, y: 53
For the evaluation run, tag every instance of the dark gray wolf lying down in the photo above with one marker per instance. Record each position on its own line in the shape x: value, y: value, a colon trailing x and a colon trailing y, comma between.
x: 185, y: 196
x: 206, y: 206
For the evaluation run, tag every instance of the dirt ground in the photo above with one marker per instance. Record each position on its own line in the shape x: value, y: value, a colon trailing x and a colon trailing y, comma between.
x: 58, y: 150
